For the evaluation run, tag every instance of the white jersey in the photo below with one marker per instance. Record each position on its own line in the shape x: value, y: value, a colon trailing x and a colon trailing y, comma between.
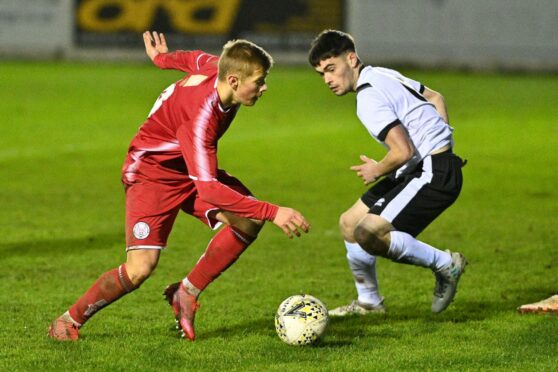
x: 385, y: 98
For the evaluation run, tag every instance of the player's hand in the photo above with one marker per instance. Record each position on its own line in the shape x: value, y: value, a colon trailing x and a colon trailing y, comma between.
x: 154, y: 44
x: 368, y: 171
x: 291, y: 222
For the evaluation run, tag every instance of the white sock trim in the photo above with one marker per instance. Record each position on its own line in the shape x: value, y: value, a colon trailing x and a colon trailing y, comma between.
x: 190, y: 287
x: 69, y: 317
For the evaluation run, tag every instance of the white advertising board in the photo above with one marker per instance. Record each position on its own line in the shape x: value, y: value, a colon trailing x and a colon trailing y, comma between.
x: 484, y: 34
x: 35, y: 27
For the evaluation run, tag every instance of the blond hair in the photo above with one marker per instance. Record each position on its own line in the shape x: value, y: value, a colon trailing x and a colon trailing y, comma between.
x: 243, y: 57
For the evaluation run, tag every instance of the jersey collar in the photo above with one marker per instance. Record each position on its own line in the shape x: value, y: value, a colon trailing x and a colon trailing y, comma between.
x: 361, y: 82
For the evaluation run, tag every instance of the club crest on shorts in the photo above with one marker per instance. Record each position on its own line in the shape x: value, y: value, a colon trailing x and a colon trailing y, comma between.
x: 141, y: 230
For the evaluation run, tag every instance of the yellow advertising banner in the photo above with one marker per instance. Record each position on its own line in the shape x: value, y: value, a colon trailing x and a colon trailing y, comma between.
x: 283, y: 23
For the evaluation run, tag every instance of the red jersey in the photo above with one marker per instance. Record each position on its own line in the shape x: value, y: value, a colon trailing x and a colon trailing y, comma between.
x: 177, y: 143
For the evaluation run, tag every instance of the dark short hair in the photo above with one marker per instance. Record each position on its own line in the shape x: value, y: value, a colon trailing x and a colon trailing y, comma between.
x: 330, y: 43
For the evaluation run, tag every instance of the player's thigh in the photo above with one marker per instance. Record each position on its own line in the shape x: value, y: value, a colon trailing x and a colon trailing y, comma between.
x: 405, y: 206
x: 247, y: 225
x: 422, y: 196
x: 350, y: 218
x: 375, y: 225
x: 151, y: 210
x: 376, y: 194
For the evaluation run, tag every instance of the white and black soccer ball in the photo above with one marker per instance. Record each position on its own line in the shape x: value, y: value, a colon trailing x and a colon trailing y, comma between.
x: 301, y: 320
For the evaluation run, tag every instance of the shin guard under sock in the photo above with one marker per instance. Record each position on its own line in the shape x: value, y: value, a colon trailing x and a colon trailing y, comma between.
x: 108, y: 288
x: 223, y: 250
x: 406, y: 249
x: 363, y: 267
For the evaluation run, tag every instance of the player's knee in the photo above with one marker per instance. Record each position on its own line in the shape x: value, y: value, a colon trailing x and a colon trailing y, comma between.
x: 139, y: 272
x: 346, y: 226
x: 249, y: 227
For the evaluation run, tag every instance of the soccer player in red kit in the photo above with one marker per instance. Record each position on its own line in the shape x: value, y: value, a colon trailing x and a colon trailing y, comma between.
x: 171, y: 166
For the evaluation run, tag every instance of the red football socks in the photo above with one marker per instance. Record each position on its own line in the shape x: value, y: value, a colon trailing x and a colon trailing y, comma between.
x: 108, y: 288
x: 223, y: 250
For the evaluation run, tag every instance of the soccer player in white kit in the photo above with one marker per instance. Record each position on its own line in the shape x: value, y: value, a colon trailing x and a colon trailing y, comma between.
x: 418, y: 178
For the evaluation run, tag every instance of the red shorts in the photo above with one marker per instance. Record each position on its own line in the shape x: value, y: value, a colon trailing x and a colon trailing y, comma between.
x: 152, y: 207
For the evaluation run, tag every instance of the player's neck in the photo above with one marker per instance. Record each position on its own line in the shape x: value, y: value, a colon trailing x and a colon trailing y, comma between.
x: 225, y: 94
x: 356, y: 75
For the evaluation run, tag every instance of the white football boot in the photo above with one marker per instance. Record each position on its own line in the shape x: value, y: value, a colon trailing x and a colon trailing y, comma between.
x: 549, y: 305
x: 446, y: 282
x: 358, y: 308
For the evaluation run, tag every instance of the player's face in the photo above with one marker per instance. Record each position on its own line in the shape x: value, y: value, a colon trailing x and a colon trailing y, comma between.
x: 338, y: 73
x: 251, y: 88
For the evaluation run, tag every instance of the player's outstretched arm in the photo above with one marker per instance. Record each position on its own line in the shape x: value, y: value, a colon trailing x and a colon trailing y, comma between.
x: 438, y: 101
x: 155, y: 43
x: 291, y: 221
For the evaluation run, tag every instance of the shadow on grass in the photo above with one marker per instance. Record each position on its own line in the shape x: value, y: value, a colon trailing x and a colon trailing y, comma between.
x: 55, y: 247
x: 261, y: 327
x: 343, y: 330
x: 347, y: 330
x: 502, y: 302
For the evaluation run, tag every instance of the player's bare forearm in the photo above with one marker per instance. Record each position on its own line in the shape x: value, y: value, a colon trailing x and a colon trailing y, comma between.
x: 370, y: 171
x: 401, y: 150
x: 438, y: 101
x: 155, y: 44
x: 392, y: 161
x: 440, y: 105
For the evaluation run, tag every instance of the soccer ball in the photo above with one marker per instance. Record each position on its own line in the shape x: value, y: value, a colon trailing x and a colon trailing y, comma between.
x: 301, y: 320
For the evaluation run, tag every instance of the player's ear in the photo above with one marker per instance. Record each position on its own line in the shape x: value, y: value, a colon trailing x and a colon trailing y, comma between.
x: 233, y: 80
x: 352, y: 58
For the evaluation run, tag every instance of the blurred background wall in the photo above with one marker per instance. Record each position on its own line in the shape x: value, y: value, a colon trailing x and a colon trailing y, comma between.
x: 36, y: 28
x: 482, y: 34
x: 477, y: 34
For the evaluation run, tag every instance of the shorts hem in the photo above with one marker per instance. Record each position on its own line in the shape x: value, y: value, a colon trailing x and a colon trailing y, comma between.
x: 213, y: 223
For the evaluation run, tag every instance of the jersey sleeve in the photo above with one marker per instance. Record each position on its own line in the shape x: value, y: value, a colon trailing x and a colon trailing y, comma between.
x: 375, y: 113
x: 199, y: 148
x: 227, y: 199
x: 417, y: 86
x: 413, y: 84
x: 187, y: 61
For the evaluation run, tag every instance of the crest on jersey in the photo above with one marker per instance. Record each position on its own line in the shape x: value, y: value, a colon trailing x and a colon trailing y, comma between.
x: 141, y: 230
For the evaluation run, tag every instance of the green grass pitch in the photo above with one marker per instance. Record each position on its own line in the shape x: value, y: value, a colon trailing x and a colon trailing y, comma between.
x: 65, y: 132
